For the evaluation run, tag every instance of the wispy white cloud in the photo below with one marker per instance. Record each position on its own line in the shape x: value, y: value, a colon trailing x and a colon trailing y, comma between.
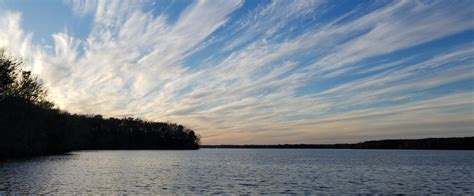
x: 13, y: 36
x: 82, y: 7
x: 136, y: 63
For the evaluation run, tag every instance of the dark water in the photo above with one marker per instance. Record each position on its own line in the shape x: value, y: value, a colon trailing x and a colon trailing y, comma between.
x: 280, y: 171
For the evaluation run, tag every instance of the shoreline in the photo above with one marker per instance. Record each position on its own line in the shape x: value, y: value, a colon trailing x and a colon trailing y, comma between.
x: 452, y: 143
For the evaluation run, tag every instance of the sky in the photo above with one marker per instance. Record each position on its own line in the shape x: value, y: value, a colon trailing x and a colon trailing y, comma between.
x: 256, y: 72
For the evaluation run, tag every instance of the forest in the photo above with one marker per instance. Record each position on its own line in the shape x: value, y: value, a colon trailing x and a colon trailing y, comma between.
x: 31, y: 125
x: 453, y: 143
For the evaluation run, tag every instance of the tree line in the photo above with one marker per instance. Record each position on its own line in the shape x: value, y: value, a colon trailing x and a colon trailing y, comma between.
x: 453, y: 143
x: 31, y: 125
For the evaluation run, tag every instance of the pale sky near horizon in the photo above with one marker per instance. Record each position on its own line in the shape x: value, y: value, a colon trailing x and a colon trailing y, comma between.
x: 256, y: 72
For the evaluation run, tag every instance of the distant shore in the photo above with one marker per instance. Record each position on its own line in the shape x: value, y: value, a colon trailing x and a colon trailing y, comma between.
x: 452, y: 143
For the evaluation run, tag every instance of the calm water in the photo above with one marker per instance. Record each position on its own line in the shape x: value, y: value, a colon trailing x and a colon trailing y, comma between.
x: 243, y: 171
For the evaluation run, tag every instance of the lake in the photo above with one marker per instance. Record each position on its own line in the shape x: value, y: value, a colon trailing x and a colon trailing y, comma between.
x: 243, y: 171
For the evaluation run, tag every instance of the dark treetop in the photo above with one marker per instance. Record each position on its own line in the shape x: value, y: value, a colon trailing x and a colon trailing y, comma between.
x: 30, y: 125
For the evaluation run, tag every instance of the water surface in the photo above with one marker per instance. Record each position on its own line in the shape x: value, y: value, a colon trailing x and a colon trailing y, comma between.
x: 280, y: 171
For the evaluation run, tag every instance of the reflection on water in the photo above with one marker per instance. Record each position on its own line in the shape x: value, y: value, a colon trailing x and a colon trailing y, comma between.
x: 283, y: 171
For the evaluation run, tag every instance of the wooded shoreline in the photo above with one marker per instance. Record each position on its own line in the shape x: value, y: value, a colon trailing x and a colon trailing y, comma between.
x: 452, y: 143
x: 31, y: 125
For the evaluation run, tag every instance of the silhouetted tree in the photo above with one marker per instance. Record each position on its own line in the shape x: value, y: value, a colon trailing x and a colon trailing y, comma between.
x: 7, y: 75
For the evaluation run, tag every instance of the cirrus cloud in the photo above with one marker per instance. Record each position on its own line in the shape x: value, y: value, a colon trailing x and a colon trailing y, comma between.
x: 275, y: 72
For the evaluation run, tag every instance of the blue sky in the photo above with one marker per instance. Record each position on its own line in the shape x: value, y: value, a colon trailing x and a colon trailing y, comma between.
x: 244, y: 72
